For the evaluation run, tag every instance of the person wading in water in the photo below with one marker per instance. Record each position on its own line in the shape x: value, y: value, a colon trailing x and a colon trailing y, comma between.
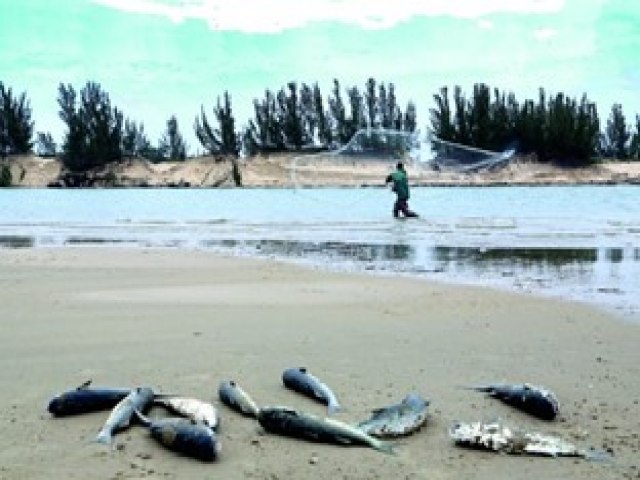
x: 401, y: 187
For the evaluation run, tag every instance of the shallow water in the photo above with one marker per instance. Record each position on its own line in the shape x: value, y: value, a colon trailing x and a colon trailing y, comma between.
x: 575, y: 242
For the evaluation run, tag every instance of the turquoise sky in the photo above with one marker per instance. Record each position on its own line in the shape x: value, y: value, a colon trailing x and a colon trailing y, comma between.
x: 162, y: 57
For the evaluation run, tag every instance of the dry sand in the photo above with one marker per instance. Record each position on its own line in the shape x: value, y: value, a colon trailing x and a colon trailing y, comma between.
x: 183, y: 321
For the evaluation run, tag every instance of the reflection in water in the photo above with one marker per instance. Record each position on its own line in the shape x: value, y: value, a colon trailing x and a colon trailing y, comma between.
x: 580, y: 273
x: 361, y: 252
x: 16, y: 241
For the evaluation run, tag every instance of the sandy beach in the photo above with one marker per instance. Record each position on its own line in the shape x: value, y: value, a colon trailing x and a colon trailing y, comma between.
x: 183, y: 321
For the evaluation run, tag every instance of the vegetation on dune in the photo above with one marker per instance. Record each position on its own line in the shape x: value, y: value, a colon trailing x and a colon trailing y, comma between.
x: 298, y: 117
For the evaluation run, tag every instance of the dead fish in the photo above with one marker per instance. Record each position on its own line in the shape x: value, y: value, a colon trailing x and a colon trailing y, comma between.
x: 498, y: 438
x: 120, y: 418
x: 85, y: 400
x: 300, y: 380
x: 289, y: 422
x: 194, y: 409
x: 182, y: 435
x: 537, y: 401
x: 235, y: 397
x: 399, y: 419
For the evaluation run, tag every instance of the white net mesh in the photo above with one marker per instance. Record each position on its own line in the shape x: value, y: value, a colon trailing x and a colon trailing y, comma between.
x: 368, y: 157
x: 372, y: 153
x: 461, y: 158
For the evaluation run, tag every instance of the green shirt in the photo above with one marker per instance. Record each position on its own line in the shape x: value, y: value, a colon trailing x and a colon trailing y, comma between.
x: 400, y: 184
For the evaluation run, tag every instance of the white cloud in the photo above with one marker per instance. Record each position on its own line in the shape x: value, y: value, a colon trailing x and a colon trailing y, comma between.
x: 277, y: 15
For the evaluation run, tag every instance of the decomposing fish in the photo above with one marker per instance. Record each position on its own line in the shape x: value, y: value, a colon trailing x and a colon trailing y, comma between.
x: 498, y: 438
x: 300, y: 380
x: 192, y: 408
x: 185, y: 436
x: 84, y: 400
x: 120, y: 418
x: 399, y: 419
x: 289, y: 422
x: 235, y: 397
x: 535, y: 400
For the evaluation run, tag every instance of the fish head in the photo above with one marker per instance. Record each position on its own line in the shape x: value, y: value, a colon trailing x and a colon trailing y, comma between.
x: 58, y: 405
x: 273, y: 418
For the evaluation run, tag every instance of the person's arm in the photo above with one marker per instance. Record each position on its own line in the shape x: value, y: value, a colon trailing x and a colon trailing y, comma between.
x: 388, y: 179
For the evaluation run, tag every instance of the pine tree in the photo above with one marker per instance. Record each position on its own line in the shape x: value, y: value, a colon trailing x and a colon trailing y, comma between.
x: 338, y: 115
x: 371, y: 103
x: 16, y: 126
x: 222, y: 140
x: 94, y: 128
x: 45, y: 146
x: 325, y: 136
x: 172, y: 145
x: 617, y: 134
x: 440, y: 116
x: 634, y: 150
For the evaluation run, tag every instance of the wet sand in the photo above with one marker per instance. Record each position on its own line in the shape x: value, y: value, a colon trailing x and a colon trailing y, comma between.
x: 184, y: 321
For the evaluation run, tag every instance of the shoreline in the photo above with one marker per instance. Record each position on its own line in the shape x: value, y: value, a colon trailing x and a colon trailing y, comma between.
x: 182, y: 321
x: 282, y: 171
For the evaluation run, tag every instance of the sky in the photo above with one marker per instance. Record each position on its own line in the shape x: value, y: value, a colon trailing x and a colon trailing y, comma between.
x: 158, y: 58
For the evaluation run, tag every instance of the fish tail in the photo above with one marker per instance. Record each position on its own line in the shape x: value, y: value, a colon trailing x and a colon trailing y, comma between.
x: 104, y: 437
x: 384, y: 447
x: 143, y: 419
x: 477, y: 388
x: 334, y: 407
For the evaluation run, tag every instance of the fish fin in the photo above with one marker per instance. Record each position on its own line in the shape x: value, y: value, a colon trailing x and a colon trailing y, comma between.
x: 85, y: 385
x: 477, y: 388
x: 334, y: 408
x: 595, y: 455
x: 104, y: 437
x: 142, y: 418
x: 386, y: 447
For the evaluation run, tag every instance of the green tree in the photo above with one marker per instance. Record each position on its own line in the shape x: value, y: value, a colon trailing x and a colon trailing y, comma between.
x: 16, y: 126
x: 617, y: 134
x: 135, y: 142
x: 410, y: 121
x: 371, y: 103
x: 325, y: 135
x: 222, y: 140
x: 290, y: 116
x: 338, y: 115
x: 45, y: 145
x: 172, y: 146
x: 357, y: 119
x: 634, y: 150
x: 94, y: 127
x: 5, y: 176
x: 440, y: 116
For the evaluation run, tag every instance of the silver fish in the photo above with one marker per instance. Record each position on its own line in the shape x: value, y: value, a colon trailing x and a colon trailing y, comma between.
x: 120, y: 418
x: 193, y: 409
x: 235, y: 397
x: 499, y: 438
x: 399, y: 419
x: 289, y: 422
x: 184, y: 436
x: 535, y: 400
x: 300, y: 380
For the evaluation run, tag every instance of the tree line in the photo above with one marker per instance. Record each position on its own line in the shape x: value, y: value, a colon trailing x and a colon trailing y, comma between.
x: 554, y: 127
x: 299, y: 117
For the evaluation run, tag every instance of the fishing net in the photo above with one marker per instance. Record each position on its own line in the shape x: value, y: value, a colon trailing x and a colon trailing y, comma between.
x: 372, y: 153
x: 461, y: 158
x: 365, y: 160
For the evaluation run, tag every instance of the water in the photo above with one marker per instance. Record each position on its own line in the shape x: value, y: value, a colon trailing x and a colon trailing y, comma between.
x: 573, y: 242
